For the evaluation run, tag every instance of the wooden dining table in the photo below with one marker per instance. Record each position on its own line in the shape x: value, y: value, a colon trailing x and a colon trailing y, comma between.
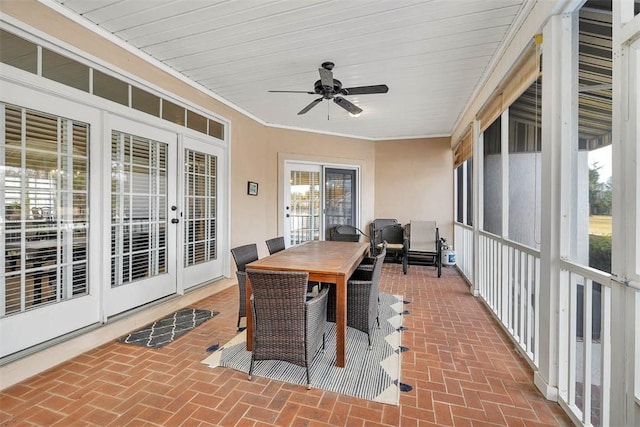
x: 326, y: 262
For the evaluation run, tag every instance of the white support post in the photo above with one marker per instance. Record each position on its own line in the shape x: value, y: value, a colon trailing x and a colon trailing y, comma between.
x: 624, y: 377
x: 477, y: 206
x: 559, y: 127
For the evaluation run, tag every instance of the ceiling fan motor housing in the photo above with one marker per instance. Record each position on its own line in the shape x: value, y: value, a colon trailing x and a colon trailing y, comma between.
x: 327, y: 92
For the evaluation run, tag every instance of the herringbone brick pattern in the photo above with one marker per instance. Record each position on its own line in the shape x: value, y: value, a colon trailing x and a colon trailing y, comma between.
x: 463, y: 369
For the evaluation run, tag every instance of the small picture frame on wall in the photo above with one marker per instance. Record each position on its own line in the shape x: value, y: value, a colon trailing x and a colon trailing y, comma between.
x: 252, y: 188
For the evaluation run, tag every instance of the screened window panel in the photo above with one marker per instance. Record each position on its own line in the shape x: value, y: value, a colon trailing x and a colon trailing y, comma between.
x: 492, y: 189
x: 459, y: 193
x: 46, y: 237
x: 469, y: 191
x: 593, y: 203
x: 200, y: 202
x: 138, y: 208
x: 525, y: 167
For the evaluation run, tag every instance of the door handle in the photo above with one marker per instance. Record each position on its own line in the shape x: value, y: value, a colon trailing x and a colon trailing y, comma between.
x: 174, y: 220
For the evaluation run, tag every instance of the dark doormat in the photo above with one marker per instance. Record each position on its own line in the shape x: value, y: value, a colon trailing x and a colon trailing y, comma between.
x: 169, y: 328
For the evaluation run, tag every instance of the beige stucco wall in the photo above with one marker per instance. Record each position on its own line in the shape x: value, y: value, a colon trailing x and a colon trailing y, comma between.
x: 414, y: 180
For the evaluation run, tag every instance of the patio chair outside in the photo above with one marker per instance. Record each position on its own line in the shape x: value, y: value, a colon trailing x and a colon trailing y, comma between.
x: 287, y: 326
x: 424, y: 244
x: 243, y: 255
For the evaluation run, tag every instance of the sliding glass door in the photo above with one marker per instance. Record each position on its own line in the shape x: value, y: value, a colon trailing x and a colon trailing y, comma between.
x: 339, y: 198
x: 316, y: 198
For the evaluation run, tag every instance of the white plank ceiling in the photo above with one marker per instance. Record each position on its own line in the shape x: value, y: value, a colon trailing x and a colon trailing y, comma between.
x: 431, y: 54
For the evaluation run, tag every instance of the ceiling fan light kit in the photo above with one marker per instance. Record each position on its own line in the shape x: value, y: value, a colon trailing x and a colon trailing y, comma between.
x: 331, y: 89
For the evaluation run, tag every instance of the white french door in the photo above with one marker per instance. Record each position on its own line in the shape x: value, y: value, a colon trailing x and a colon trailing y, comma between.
x: 202, y: 212
x: 46, y: 275
x: 143, y: 212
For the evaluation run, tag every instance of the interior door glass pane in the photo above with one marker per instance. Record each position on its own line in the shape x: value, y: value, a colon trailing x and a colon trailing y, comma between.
x: 340, y: 198
x: 304, y: 207
x: 138, y: 208
x: 46, y: 215
x: 199, y: 204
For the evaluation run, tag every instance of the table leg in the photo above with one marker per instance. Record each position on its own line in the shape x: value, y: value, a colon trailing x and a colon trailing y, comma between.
x: 249, y: 329
x: 341, y: 321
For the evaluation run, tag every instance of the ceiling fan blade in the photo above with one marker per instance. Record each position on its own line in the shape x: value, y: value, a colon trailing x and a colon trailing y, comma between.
x: 365, y: 90
x: 352, y: 108
x: 310, y: 106
x: 292, y: 91
x: 326, y: 77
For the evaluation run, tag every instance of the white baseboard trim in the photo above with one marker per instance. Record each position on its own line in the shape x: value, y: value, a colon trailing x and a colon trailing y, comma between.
x: 549, y: 392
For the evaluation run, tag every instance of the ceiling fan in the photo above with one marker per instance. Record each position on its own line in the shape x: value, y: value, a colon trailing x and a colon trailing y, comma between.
x: 330, y: 88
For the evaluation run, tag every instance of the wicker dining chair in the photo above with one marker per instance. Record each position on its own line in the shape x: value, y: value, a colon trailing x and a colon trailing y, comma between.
x: 286, y: 325
x: 243, y: 255
x: 275, y: 245
x: 363, y: 289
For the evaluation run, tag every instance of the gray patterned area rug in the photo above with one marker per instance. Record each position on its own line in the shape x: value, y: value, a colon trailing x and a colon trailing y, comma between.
x: 369, y: 374
x: 169, y: 328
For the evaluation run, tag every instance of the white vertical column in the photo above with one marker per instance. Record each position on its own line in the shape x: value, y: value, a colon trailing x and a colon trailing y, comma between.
x: 505, y: 279
x: 624, y: 397
x: 477, y: 206
x: 559, y: 131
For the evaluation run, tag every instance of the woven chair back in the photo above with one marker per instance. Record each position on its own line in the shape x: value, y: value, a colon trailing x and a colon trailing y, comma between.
x: 243, y: 255
x: 275, y: 245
